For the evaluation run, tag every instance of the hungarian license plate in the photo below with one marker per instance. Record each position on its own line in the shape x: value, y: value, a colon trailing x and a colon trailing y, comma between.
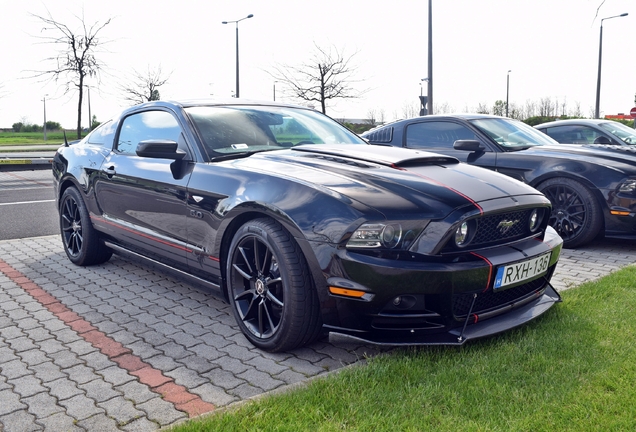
x: 521, y: 271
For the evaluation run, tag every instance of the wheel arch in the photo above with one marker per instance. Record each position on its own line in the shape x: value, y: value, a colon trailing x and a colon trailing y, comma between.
x: 595, y: 192
x: 598, y: 195
x: 253, y: 211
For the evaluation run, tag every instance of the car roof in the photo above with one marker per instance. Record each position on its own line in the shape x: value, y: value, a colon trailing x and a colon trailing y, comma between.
x: 461, y: 116
x: 587, y: 122
x: 187, y: 103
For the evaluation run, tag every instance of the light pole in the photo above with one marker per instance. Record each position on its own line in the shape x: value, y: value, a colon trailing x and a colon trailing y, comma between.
x: 275, y: 90
x: 429, y: 94
x: 44, y: 128
x: 507, y: 91
x: 237, y: 50
x: 600, y: 57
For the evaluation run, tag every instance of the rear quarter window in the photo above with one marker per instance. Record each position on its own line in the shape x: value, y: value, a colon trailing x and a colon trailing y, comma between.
x: 103, y: 135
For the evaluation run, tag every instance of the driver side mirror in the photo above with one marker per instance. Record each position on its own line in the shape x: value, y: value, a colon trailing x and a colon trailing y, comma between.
x: 160, y: 149
x: 469, y: 145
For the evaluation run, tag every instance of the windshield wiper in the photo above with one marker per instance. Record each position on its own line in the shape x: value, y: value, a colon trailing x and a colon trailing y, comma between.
x: 229, y: 156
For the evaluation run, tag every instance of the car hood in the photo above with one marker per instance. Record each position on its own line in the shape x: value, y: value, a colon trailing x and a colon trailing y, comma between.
x: 391, y: 180
x: 619, y: 157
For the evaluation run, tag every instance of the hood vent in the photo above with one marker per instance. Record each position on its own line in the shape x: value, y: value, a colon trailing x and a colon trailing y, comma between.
x: 343, y: 161
x: 371, y: 154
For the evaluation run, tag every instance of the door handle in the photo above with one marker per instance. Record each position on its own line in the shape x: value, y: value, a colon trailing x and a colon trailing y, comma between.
x: 110, y: 171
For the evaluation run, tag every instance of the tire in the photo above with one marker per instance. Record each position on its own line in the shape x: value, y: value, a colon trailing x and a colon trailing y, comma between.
x: 270, y: 288
x: 576, y: 215
x: 81, y: 241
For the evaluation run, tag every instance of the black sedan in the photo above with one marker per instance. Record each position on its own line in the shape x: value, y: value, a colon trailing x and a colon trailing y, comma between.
x: 305, y: 228
x: 592, y: 188
x: 589, y: 131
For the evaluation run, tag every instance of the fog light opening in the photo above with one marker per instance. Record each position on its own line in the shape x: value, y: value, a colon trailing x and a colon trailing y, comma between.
x: 404, y: 302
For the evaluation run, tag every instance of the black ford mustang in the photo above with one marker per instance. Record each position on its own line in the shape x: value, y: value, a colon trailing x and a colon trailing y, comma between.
x: 592, y: 188
x: 307, y: 229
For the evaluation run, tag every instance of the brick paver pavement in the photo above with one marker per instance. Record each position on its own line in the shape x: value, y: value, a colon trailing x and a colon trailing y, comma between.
x: 123, y: 347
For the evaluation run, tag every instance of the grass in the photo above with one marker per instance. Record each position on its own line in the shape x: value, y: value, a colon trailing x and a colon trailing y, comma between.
x: 573, y: 369
x: 28, y: 138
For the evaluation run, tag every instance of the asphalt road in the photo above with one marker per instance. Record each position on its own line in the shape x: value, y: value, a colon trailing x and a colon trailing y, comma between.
x: 27, y: 204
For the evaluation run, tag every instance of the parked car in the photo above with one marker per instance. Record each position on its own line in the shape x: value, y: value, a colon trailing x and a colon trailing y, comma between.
x: 589, y: 131
x: 592, y: 189
x: 307, y: 229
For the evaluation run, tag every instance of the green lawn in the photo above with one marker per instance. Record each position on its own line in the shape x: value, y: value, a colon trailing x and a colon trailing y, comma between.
x: 574, y: 369
x: 20, y: 138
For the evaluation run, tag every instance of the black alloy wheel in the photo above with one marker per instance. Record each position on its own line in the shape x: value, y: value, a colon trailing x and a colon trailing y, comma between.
x: 270, y: 287
x: 81, y: 242
x: 576, y: 215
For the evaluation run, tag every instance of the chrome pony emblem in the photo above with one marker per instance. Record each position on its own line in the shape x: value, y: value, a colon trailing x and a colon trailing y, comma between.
x: 505, y: 225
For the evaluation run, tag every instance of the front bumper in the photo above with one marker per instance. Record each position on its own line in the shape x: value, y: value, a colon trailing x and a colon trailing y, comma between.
x: 458, y: 335
x: 437, y: 301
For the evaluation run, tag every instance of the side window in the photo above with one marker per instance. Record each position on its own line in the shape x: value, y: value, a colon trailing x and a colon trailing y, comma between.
x: 572, y: 134
x: 145, y: 126
x: 103, y: 135
x: 436, y: 134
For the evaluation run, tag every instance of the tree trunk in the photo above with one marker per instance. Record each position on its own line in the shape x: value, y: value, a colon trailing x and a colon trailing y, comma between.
x: 79, y: 109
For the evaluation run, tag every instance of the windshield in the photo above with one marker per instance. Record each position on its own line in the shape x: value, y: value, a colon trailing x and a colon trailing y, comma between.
x: 512, y: 134
x: 227, y: 130
x: 625, y: 133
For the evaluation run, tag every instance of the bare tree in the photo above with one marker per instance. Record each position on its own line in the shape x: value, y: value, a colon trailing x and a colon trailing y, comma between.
x: 328, y: 75
x: 410, y: 110
x: 381, y: 116
x: 482, y: 108
x: 75, y: 57
x: 515, y: 112
x: 145, y: 87
x: 443, y: 108
x: 563, y: 106
x: 371, y: 117
x: 531, y: 108
x: 545, y: 107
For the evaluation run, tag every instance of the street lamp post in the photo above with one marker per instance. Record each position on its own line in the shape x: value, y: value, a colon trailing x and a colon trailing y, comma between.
x: 275, y: 90
x: 44, y: 126
x: 600, y: 57
x: 507, y: 91
x: 429, y: 93
x: 236, y: 94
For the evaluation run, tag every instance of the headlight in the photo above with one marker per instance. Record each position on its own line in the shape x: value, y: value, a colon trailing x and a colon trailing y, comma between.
x: 375, y: 236
x: 387, y: 235
x: 628, y: 186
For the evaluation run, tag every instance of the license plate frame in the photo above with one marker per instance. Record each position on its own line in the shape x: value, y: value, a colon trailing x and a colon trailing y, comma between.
x: 511, y: 274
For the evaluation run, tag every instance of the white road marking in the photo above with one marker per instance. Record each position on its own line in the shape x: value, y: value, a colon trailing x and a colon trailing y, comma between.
x: 27, y: 202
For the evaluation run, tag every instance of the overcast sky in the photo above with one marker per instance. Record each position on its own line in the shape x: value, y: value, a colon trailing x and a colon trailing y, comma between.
x: 550, y: 46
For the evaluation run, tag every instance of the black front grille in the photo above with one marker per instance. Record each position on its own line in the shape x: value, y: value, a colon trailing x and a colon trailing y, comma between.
x: 502, y: 226
x: 494, y: 299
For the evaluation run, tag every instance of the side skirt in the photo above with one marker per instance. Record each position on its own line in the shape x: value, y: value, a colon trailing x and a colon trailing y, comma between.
x: 119, y: 250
